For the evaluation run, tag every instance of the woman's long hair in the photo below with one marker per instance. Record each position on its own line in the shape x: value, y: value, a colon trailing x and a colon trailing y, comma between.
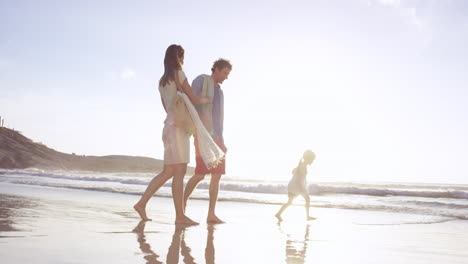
x: 172, y: 63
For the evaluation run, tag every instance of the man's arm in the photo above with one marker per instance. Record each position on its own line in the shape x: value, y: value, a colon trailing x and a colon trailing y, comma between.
x: 204, y: 111
x: 197, y: 85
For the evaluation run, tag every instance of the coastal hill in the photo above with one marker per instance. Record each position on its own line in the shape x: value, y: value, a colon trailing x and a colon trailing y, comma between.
x: 20, y: 152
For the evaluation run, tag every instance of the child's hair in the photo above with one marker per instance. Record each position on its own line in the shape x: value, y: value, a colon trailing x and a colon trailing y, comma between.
x: 308, y: 155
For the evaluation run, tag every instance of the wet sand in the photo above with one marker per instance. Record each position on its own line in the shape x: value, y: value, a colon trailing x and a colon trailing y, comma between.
x: 56, y: 225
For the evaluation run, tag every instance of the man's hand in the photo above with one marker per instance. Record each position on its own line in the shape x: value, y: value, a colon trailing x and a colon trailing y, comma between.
x: 220, y: 144
x: 224, y: 148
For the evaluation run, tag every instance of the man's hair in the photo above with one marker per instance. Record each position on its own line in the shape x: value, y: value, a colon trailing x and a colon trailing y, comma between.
x: 221, y: 64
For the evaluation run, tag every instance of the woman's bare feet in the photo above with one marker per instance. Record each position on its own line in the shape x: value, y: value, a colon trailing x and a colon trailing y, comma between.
x: 141, y: 211
x: 213, y: 219
x: 184, y: 220
x: 311, y: 218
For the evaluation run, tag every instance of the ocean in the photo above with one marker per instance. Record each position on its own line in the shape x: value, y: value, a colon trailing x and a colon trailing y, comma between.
x: 430, y: 203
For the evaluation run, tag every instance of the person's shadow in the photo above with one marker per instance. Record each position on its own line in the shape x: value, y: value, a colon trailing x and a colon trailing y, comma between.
x: 177, y: 245
x: 296, y: 247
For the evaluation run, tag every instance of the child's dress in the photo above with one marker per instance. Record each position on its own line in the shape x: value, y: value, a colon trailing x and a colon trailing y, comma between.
x: 298, y: 184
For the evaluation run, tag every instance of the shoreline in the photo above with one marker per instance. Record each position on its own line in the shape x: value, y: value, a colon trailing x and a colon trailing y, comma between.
x: 54, y: 225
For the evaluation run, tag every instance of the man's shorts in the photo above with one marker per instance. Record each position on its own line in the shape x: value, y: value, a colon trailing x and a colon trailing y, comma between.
x: 201, y: 168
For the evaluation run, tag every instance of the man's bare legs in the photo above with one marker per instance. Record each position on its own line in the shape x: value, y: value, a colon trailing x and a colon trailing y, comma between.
x: 153, y: 186
x: 278, y: 214
x: 178, y: 194
x: 214, y: 189
x: 191, y: 185
x: 213, y: 193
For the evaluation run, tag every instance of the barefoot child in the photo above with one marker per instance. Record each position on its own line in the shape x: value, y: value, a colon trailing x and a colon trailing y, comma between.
x: 298, y: 184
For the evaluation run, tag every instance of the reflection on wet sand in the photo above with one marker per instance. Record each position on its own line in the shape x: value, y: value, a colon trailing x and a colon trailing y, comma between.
x: 296, y: 246
x: 10, y: 209
x: 178, y: 244
x: 150, y: 256
x: 210, y: 250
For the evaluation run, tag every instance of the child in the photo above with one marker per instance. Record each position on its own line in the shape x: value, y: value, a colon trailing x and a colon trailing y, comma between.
x: 298, y: 185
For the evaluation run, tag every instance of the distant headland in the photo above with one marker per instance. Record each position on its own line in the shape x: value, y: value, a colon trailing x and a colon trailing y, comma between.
x: 20, y: 152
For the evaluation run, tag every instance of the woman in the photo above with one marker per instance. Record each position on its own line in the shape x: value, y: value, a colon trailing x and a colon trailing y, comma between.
x: 176, y: 134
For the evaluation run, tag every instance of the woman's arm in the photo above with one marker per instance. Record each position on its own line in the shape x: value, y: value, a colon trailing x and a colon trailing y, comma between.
x: 164, y: 105
x: 185, y: 87
x: 194, y: 98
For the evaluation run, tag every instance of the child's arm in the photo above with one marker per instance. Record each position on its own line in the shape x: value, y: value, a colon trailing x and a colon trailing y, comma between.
x: 294, y: 171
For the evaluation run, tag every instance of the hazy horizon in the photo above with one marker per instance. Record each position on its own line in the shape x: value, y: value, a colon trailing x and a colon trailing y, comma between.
x: 376, y: 88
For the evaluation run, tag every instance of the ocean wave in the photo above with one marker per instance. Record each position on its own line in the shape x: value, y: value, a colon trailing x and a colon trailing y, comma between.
x: 436, y: 205
x: 319, y: 189
x: 412, y: 207
x: 118, y: 178
x: 437, y: 192
x: 426, y: 191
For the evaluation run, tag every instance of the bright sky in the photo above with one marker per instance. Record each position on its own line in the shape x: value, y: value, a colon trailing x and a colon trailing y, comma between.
x: 377, y: 88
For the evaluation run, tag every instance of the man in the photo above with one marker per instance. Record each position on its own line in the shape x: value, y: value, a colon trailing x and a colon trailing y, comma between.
x: 212, y: 116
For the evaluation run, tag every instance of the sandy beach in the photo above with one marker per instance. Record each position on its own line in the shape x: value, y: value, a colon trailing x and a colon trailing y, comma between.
x: 57, y: 225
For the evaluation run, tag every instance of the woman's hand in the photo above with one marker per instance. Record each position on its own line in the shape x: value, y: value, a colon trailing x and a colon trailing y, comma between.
x: 205, y: 100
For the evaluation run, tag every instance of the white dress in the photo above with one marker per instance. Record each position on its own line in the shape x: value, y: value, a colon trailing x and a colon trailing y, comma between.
x: 176, y: 139
x: 298, y: 184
